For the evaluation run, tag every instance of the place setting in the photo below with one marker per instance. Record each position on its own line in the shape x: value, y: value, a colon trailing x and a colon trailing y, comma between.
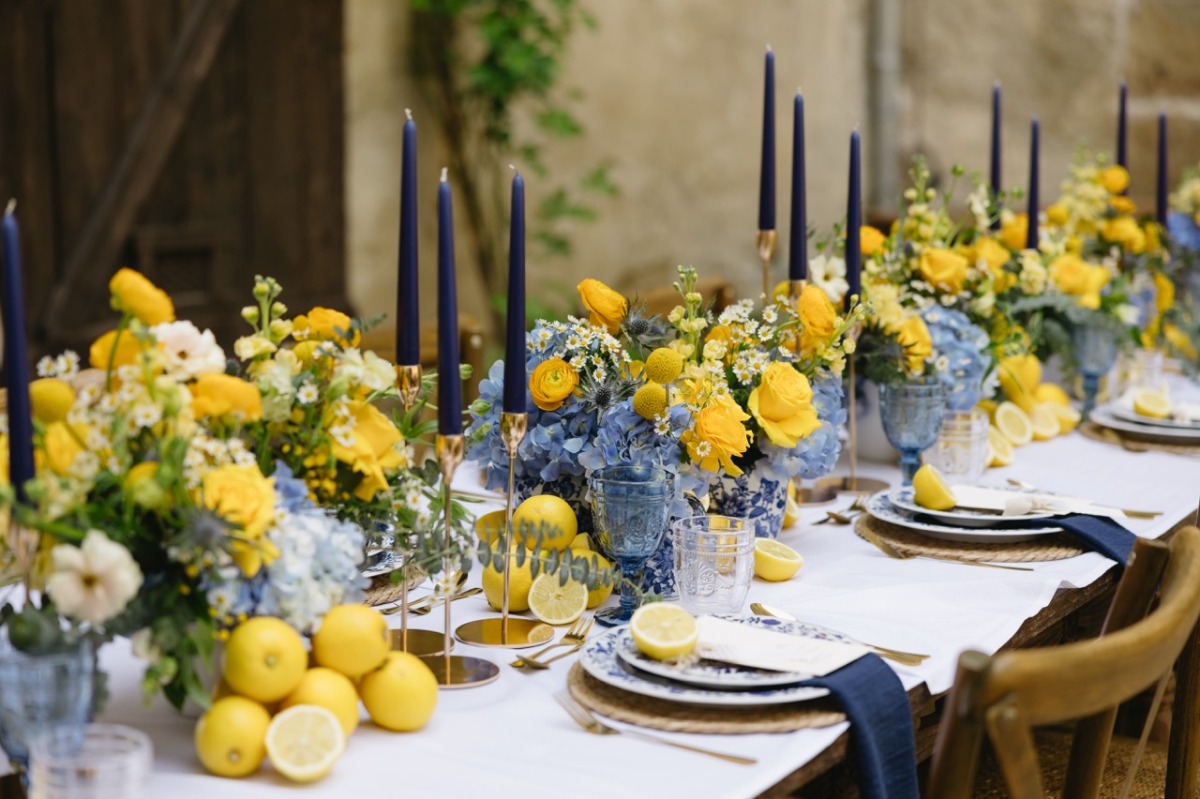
x: 1148, y: 420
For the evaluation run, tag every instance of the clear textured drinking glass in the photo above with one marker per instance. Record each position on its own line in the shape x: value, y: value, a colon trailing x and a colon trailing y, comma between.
x: 1095, y: 354
x: 631, y: 506
x: 106, y: 760
x: 714, y: 562
x: 41, y: 694
x: 961, y: 450
x: 1140, y: 368
x: 912, y: 414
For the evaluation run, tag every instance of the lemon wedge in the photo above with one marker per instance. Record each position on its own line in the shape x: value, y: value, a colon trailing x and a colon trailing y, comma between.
x: 1068, y: 417
x: 1000, y: 450
x: 555, y: 603
x: 663, y: 631
x: 304, y: 741
x: 1014, y: 423
x: 930, y: 489
x: 1148, y: 402
x: 774, y: 561
x: 1044, y: 421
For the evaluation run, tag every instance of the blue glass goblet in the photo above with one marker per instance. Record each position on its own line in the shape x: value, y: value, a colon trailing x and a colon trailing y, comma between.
x: 912, y: 415
x: 1095, y: 354
x: 631, y: 506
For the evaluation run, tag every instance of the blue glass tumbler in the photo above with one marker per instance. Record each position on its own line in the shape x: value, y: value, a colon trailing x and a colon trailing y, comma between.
x: 1095, y: 354
x: 631, y: 507
x: 912, y: 414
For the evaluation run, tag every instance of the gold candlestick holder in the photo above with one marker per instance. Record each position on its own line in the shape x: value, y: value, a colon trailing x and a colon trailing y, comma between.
x: 853, y: 483
x: 513, y: 633
x: 764, y: 242
x: 454, y: 671
x: 806, y: 495
x: 408, y: 383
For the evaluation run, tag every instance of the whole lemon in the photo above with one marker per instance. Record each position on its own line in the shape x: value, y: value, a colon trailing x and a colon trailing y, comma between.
x: 602, y: 591
x: 329, y: 689
x: 520, y: 578
x: 264, y: 659
x: 352, y: 639
x: 231, y: 737
x: 490, y: 526
x: 545, y: 521
x: 401, y: 694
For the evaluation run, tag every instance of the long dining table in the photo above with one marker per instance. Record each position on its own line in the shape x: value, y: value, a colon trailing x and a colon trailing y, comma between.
x: 511, y: 739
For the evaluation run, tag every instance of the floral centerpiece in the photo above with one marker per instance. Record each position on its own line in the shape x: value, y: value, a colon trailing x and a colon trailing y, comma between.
x: 174, y: 498
x: 1182, y: 334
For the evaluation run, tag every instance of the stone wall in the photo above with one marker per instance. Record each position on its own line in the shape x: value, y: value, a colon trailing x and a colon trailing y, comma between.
x: 672, y: 97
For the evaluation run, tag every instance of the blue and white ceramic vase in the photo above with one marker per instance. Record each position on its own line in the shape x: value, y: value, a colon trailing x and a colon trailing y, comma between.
x: 759, y: 493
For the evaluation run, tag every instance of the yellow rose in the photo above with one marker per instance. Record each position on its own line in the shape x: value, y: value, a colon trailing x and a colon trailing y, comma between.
x: 244, y: 498
x: 60, y: 446
x: 994, y: 256
x: 1122, y: 230
x: 718, y: 435
x: 1070, y: 273
x: 326, y: 324
x: 133, y: 294
x: 818, y: 318
x: 1057, y: 215
x: 373, y: 451
x: 870, y: 240
x: 219, y: 395
x: 606, y: 307
x: 51, y: 399
x: 1122, y: 205
x: 914, y: 339
x: 1014, y: 231
x: 1154, y: 233
x: 120, y: 351
x: 552, y: 382
x: 1114, y: 179
x: 782, y: 405
x: 1164, y: 292
x: 946, y: 270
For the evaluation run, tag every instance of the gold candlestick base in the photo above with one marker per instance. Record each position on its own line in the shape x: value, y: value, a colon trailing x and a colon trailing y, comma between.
x: 764, y: 243
x: 795, y: 289
x: 408, y: 383
x: 419, y: 642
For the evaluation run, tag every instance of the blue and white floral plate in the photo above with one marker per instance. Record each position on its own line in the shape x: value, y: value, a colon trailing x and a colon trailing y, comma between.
x: 601, y: 657
x: 904, y: 499
x: 881, y: 508
x: 1125, y: 420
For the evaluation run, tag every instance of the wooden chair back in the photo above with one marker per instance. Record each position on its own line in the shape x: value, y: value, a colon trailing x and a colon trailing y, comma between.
x: 1005, y: 696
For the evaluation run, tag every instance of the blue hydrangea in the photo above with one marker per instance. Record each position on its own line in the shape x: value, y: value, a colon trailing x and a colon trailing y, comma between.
x: 961, y: 358
x: 816, y: 455
x: 1183, y: 231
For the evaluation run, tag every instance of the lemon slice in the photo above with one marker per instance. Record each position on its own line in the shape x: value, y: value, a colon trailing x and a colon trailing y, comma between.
x: 304, y: 741
x: 791, y: 511
x: 557, y: 604
x: 774, y: 561
x: 1014, y: 423
x: 1000, y: 451
x: 1045, y: 422
x: 662, y: 631
x: 1148, y: 402
x: 1068, y: 417
x: 930, y: 489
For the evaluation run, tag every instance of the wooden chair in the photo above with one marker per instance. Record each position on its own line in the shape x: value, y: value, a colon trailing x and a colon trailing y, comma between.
x: 1004, y: 697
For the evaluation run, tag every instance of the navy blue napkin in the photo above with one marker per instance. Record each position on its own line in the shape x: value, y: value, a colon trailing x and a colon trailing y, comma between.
x: 881, y: 726
x: 1100, y: 533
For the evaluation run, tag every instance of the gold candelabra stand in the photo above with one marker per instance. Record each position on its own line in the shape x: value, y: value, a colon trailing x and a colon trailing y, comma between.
x: 764, y: 243
x: 852, y: 482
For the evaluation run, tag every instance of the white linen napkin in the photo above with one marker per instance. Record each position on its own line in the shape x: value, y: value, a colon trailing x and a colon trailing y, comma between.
x: 1010, y: 503
x: 730, y: 642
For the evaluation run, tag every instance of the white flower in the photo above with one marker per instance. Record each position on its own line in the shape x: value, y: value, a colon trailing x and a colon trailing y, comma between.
x: 1128, y: 314
x: 93, y: 582
x: 828, y: 273
x: 189, y: 352
x: 308, y: 394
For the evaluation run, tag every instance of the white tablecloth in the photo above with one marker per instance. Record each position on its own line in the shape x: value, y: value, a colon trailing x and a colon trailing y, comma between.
x: 511, y: 739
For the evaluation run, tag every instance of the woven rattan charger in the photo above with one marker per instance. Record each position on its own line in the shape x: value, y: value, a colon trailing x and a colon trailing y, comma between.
x: 1057, y: 546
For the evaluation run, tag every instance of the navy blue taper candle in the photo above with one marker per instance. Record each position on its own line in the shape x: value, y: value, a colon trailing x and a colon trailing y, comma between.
x: 1031, y: 235
x: 1122, y: 136
x: 798, y: 253
x: 449, y: 380
x: 1160, y: 193
x: 408, y: 328
x: 514, y: 349
x: 854, y: 223
x: 994, y: 171
x: 16, y: 361
x: 766, y: 180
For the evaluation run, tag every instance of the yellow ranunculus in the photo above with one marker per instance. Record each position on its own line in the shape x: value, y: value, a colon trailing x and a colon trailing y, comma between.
x: 1164, y: 292
x: 1154, y: 234
x: 1057, y: 215
x: 870, y: 240
x: 782, y: 405
x: 551, y: 383
x: 1014, y: 231
x: 1070, y: 273
x: 218, y: 395
x: 245, y: 498
x: 1122, y: 205
x: 995, y: 256
x: 717, y: 436
x: 607, y: 308
x: 122, y: 351
x: 818, y: 318
x: 132, y: 293
x: 1114, y: 179
x: 1122, y: 230
x: 326, y: 324
x: 60, y: 446
x: 373, y: 451
x: 913, y: 337
x: 51, y: 399
x: 945, y: 269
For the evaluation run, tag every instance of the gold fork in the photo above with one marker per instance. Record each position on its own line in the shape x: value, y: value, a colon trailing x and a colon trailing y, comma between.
x: 584, y: 718
x: 892, y: 552
x: 572, y: 638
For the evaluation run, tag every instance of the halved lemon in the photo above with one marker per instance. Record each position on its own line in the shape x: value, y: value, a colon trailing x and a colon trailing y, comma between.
x: 1148, y: 402
x: 1045, y: 422
x: 304, y: 741
x: 1014, y: 423
x: 663, y: 631
x: 556, y: 603
x: 1068, y: 417
x: 930, y: 489
x: 774, y: 561
x: 791, y: 511
x: 1000, y: 451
